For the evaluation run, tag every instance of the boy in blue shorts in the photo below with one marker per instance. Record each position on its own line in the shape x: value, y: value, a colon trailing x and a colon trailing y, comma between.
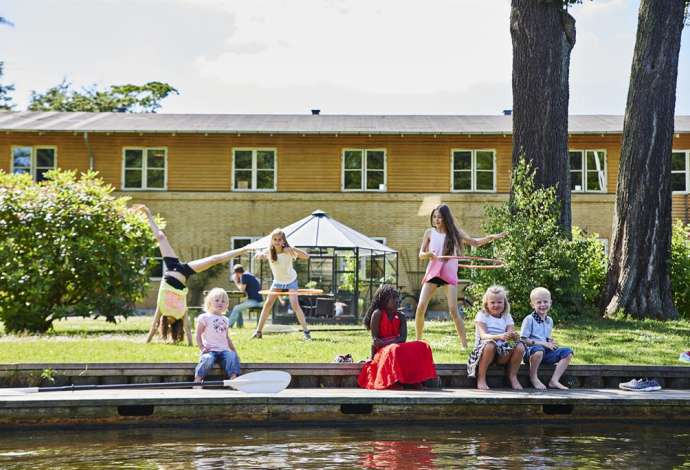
x: 536, y: 333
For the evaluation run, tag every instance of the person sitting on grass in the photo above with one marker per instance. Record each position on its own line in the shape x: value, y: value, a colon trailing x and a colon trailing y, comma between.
x: 250, y: 285
x: 536, y: 333
x: 394, y: 362
x: 213, y: 337
x: 495, y: 329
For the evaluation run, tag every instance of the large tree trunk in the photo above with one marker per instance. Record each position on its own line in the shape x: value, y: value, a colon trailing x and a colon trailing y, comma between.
x: 639, y: 281
x: 543, y: 35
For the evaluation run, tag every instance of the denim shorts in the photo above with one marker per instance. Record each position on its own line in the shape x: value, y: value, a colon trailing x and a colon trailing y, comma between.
x: 550, y: 357
x: 289, y: 286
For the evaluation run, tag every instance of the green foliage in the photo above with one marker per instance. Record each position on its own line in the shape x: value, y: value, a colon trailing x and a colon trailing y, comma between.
x: 537, y: 253
x: 68, y: 249
x: 680, y: 268
x: 117, y: 98
x: 5, y: 98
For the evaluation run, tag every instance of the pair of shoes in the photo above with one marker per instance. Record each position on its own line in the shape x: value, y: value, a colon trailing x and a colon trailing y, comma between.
x: 343, y: 359
x: 307, y: 335
x: 257, y: 335
x: 684, y: 357
x: 640, y: 385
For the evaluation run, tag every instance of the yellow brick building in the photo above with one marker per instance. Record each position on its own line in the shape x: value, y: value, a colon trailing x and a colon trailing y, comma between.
x: 221, y: 180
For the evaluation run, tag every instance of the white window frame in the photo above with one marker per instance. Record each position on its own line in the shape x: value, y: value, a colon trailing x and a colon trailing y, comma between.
x: 34, y: 166
x: 473, y: 171
x: 686, y: 171
x: 585, y: 170
x: 251, y: 239
x: 254, y: 150
x: 381, y: 240
x: 144, y: 169
x: 363, y: 187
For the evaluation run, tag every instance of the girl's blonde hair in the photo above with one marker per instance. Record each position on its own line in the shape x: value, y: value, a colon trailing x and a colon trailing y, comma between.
x: 496, y: 290
x: 212, y: 294
x: 274, y: 254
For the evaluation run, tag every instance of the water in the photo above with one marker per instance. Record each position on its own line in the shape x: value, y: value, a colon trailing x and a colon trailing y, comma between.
x: 390, y: 447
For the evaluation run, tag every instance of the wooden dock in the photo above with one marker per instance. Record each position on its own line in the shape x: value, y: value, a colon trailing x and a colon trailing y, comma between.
x: 161, y: 407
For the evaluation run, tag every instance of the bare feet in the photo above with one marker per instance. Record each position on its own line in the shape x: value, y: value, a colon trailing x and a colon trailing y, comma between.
x: 558, y: 385
x: 537, y: 383
x: 482, y: 386
x: 515, y: 384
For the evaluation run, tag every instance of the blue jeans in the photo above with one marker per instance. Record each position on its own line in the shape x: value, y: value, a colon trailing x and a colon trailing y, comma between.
x: 239, y: 309
x: 229, y: 362
x: 550, y: 357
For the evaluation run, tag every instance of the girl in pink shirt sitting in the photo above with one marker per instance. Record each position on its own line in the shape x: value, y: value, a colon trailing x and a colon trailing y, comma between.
x: 213, y: 338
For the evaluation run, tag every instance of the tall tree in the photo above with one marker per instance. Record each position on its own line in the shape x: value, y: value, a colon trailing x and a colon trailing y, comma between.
x: 117, y: 98
x: 639, y: 275
x: 543, y: 34
x: 5, y: 98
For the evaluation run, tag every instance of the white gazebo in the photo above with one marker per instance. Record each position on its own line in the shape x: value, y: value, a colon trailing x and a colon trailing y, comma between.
x: 346, y: 264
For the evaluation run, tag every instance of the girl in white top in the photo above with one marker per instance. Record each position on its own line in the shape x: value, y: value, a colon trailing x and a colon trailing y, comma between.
x: 494, y: 329
x: 280, y: 256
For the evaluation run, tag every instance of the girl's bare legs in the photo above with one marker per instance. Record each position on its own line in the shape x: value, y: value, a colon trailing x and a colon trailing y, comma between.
x: 297, y: 308
x: 513, y: 361
x: 534, y: 363
x: 560, y: 369
x: 452, y: 294
x: 187, y: 328
x: 199, y: 265
x: 154, y: 326
x: 425, y: 295
x: 484, y: 362
x: 265, y: 310
x: 163, y: 243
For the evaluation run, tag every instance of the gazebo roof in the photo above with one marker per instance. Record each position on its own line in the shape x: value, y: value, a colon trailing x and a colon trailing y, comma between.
x: 318, y: 230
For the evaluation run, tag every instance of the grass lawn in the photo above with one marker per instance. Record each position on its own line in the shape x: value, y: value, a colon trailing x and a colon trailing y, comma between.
x: 86, y: 340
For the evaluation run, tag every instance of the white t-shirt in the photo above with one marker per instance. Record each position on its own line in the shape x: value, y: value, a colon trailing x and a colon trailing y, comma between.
x: 494, y: 326
x: 283, y: 272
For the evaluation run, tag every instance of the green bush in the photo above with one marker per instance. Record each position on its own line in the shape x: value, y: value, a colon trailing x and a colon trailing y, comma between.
x: 680, y: 268
x: 537, y: 253
x: 68, y: 248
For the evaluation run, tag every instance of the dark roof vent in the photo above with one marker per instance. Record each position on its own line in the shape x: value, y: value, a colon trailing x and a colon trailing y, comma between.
x: 315, y: 112
x: 507, y: 112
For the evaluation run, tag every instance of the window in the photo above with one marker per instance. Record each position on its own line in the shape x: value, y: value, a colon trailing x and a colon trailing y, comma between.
x: 155, y: 266
x: 381, y: 240
x: 364, y: 170
x: 680, y: 171
x: 144, y: 168
x: 588, y: 171
x: 35, y: 161
x: 247, y: 259
x: 473, y: 170
x: 254, y: 170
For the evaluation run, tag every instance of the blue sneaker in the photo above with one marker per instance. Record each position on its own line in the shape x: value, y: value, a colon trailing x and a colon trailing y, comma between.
x: 640, y: 385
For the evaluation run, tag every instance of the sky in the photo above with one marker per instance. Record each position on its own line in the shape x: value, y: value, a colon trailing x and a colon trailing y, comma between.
x: 290, y: 56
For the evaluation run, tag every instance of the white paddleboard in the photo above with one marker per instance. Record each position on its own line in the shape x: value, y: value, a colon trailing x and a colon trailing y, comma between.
x: 263, y: 381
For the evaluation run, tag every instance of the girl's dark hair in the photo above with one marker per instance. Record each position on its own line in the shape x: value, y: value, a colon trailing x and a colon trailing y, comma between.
x: 381, y: 297
x: 278, y: 231
x: 453, y: 236
x: 173, y: 328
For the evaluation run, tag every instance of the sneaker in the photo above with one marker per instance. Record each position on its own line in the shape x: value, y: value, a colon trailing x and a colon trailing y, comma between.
x: 640, y: 385
x: 257, y: 335
x: 343, y: 359
x: 684, y: 357
x: 307, y: 335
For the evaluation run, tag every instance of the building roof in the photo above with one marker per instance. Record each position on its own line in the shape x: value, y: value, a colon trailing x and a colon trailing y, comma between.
x: 318, y: 230
x: 38, y: 121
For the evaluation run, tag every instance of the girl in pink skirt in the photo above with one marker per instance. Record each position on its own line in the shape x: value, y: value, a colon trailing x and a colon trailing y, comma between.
x: 444, y: 238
